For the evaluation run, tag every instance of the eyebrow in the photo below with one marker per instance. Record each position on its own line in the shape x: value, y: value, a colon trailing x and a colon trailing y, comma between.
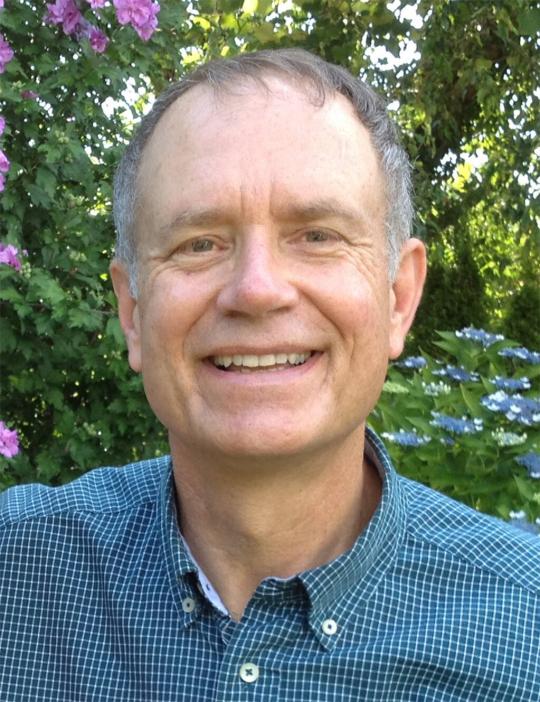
x: 290, y: 212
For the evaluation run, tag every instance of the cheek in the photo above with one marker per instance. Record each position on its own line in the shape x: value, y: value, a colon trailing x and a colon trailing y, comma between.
x: 172, y: 307
x: 356, y: 308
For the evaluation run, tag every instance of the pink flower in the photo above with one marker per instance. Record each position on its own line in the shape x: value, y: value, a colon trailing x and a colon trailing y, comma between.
x: 1, y: 3
x: 29, y: 95
x: 6, y: 53
x: 4, y: 162
x: 66, y: 13
x: 8, y: 255
x: 141, y: 14
x: 98, y: 40
x: 96, y: 4
x: 9, y: 441
x: 2, y: 125
x: 2, y: 183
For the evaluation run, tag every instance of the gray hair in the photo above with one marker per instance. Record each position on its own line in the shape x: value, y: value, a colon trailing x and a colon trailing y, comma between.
x: 319, y: 79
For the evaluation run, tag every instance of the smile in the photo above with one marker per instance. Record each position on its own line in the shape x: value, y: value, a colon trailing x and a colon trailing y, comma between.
x: 247, y: 363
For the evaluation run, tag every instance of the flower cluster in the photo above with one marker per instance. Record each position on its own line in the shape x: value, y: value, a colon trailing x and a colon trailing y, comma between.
x: 6, y: 53
x: 531, y: 461
x: 140, y: 14
x: 524, y: 410
x: 456, y: 426
x: 479, y: 335
x: 67, y: 14
x: 9, y: 441
x: 512, y: 384
x: 4, y: 161
x: 436, y: 389
x: 412, y: 362
x: 457, y: 373
x: 406, y: 438
x: 521, y: 353
x: 9, y: 256
x: 508, y: 438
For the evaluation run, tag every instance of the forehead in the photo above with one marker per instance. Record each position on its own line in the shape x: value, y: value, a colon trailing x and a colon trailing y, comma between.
x: 273, y: 143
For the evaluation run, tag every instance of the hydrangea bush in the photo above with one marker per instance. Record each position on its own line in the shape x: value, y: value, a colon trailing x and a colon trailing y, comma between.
x: 469, y: 424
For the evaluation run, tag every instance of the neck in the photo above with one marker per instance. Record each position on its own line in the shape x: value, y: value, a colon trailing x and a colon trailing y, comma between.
x: 272, y: 517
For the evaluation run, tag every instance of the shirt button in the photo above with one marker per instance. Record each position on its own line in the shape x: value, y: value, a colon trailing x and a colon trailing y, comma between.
x: 249, y: 672
x: 188, y: 604
x: 329, y: 626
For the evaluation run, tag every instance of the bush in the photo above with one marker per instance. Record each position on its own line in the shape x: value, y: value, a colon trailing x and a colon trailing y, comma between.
x: 468, y: 425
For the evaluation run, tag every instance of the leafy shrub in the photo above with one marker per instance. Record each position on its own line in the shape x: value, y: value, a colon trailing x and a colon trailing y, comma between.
x: 468, y: 425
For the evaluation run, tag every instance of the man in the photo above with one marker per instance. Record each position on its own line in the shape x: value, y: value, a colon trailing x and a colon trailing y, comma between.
x: 265, y: 276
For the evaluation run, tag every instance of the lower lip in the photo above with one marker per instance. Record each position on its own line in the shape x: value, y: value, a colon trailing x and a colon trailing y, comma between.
x: 264, y: 377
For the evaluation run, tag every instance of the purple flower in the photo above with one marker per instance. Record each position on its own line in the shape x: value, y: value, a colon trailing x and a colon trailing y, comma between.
x: 29, y: 95
x: 96, y: 4
x: 2, y: 125
x: 4, y: 162
x: 66, y: 13
x: 98, y: 40
x: 2, y: 183
x: 9, y: 256
x: 6, y: 53
x: 9, y: 441
x: 141, y: 14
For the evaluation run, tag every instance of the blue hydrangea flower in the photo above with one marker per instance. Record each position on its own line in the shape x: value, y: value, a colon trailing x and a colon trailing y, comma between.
x: 524, y: 410
x: 522, y: 354
x: 412, y: 362
x: 512, y: 384
x: 406, y: 438
x: 457, y: 373
x: 479, y: 335
x: 456, y: 426
x: 531, y: 461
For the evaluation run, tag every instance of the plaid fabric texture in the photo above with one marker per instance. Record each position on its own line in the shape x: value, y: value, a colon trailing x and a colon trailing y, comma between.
x: 99, y: 601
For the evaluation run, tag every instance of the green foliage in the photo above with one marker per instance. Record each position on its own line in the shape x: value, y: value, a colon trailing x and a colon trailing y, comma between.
x: 470, y: 89
x: 473, y: 460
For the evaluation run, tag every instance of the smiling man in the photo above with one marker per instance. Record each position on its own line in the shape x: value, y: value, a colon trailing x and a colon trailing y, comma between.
x: 265, y: 277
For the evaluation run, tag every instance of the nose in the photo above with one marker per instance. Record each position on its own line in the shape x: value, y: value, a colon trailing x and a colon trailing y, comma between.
x: 259, y: 282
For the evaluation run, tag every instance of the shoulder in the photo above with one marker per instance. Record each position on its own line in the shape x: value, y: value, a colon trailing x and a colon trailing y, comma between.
x: 464, y: 537
x: 102, y: 491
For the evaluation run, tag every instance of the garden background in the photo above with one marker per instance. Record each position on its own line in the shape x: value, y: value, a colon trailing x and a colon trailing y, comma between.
x: 461, y: 77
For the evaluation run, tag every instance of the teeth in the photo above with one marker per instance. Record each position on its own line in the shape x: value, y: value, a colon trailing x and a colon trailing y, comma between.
x: 268, y: 361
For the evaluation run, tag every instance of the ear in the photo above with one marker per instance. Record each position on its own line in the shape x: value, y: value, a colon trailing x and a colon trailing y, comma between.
x: 128, y: 312
x: 406, y: 293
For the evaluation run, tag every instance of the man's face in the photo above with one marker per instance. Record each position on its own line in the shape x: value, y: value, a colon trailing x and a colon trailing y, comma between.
x: 265, y: 317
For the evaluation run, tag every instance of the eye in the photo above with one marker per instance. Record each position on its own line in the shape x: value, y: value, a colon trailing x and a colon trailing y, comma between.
x: 317, y: 236
x: 200, y: 245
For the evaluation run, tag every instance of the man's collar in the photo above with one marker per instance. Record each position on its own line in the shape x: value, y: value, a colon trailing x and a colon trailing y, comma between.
x: 335, y: 591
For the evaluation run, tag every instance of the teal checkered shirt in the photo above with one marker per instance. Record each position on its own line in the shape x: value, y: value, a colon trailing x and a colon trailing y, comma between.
x: 100, y: 601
